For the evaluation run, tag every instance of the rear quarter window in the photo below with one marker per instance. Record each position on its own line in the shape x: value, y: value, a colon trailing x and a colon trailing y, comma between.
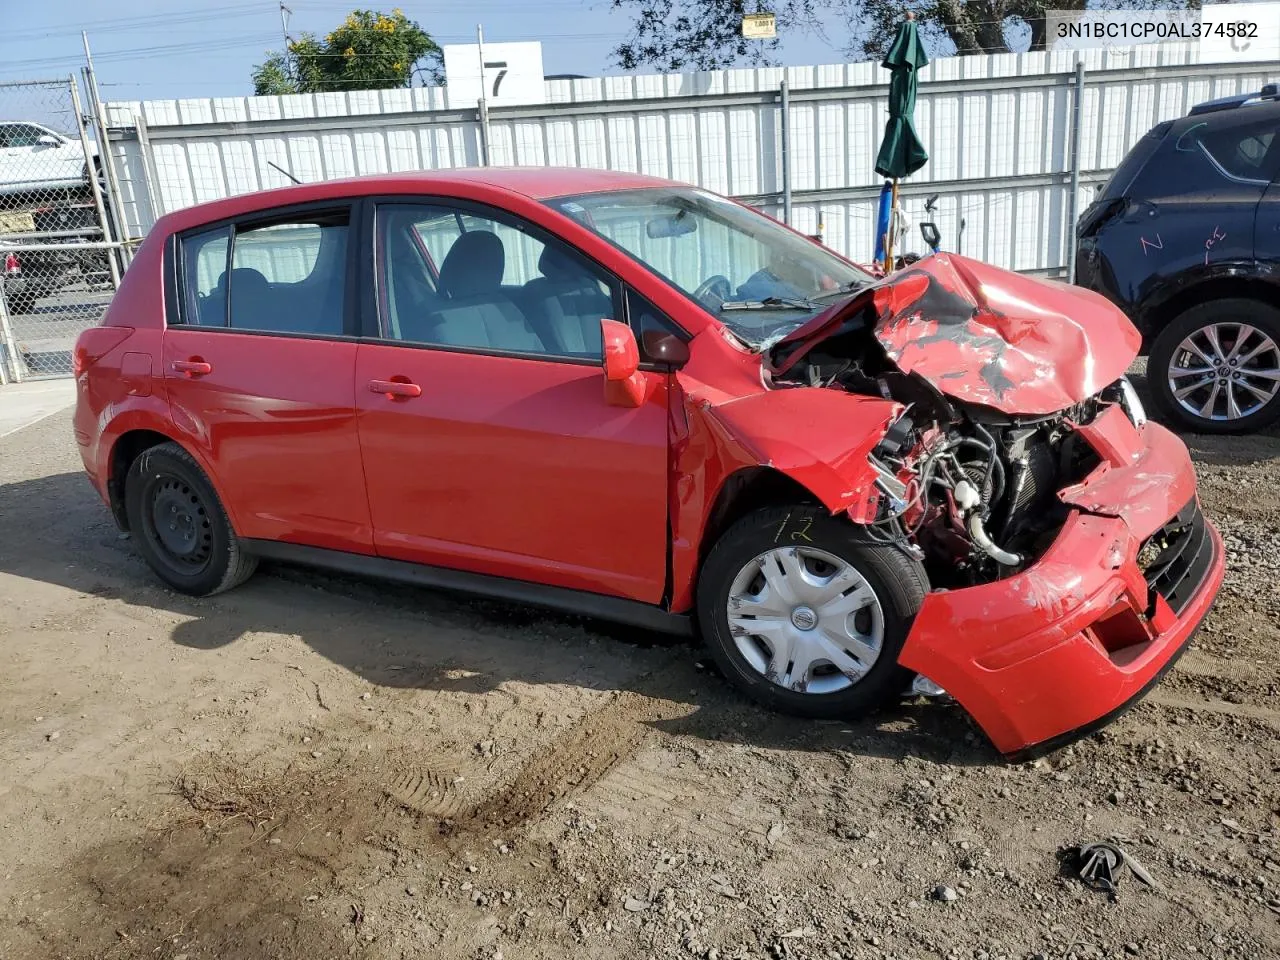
x: 1134, y: 161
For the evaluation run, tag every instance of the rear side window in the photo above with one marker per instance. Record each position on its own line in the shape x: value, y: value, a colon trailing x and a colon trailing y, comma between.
x: 280, y: 277
x: 1243, y: 152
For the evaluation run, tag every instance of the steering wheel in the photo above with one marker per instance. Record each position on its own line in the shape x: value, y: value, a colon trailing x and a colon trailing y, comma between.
x: 717, y: 286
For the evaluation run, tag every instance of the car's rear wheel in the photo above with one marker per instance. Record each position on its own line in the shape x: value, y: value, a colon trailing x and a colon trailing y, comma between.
x: 806, y: 615
x: 179, y: 525
x: 1216, y: 368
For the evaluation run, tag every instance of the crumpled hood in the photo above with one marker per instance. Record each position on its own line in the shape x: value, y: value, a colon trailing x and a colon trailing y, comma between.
x: 985, y: 335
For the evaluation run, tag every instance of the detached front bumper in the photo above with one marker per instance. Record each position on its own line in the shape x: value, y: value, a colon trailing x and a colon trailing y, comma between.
x: 1065, y: 646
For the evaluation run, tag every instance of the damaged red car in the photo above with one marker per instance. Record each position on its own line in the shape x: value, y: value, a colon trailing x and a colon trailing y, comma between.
x: 636, y: 400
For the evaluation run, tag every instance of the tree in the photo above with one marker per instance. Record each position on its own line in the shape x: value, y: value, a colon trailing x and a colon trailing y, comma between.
x: 674, y: 35
x: 367, y: 51
x: 706, y: 35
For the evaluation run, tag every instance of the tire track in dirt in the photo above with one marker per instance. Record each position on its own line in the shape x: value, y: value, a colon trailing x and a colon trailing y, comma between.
x: 574, y: 761
x: 1244, y: 710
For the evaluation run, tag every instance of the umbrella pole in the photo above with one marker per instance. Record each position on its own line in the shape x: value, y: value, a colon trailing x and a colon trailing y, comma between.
x: 893, y: 223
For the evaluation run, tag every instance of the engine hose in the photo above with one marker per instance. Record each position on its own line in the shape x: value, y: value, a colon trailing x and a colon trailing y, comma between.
x: 987, y: 545
x: 994, y: 469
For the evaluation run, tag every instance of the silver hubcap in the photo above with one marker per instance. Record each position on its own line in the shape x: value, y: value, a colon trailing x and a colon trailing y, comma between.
x: 1225, y: 371
x: 805, y: 619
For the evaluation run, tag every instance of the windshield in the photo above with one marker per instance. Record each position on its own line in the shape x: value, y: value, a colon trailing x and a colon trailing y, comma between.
x: 759, y: 278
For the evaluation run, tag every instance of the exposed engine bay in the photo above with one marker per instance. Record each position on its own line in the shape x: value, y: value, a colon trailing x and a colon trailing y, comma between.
x: 997, y: 372
x: 970, y: 490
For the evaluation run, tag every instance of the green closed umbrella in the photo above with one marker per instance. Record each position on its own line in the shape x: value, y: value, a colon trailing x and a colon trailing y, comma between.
x: 901, y: 152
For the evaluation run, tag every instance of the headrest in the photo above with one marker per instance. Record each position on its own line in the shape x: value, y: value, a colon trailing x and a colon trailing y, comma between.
x: 555, y: 264
x: 474, y: 265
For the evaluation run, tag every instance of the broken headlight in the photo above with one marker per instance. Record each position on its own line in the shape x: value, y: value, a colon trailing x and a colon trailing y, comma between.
x: 1123, y: 393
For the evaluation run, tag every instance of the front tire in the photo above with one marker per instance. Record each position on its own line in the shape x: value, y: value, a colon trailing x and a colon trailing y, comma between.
x: 1216, y: 368
x: 179, y: 525
x: 806, y: 615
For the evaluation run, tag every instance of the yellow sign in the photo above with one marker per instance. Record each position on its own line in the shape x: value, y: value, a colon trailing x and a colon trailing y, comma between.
x: 759, y: 26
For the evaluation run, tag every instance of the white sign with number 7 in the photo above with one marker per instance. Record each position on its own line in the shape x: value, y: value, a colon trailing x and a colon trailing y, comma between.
x: 512, y: 74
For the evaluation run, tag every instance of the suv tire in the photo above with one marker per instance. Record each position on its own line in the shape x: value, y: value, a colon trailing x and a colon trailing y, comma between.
x: 1214, y: 336
x: 829, y: 592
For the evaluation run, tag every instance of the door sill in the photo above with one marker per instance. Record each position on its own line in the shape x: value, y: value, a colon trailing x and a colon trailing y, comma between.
x: 581, y: 602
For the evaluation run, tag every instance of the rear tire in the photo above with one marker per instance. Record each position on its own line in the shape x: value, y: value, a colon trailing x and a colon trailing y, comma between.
x: 854, y: 602
x: 180, y: 526
x: 1187, y: 345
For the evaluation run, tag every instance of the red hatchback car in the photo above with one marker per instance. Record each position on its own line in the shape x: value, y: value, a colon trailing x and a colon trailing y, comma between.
x: 636, y: 400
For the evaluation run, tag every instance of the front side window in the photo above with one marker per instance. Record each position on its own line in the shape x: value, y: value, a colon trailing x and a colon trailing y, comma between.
x: 281, y: 277
x: 452, y: 277
x: 761, y: 279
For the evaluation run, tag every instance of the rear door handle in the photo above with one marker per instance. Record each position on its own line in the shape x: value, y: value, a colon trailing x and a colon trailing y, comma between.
x: 193, y: 368
x: 395, y: 388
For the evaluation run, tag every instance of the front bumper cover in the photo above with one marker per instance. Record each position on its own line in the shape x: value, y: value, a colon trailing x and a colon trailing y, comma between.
x: 1066, y: 645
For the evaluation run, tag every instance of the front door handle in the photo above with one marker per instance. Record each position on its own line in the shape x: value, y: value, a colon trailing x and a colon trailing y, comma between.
x: 193, y: 368
x: 395, y: 388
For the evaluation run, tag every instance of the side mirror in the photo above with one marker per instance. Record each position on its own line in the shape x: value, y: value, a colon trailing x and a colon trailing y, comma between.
x: 48, y: 141
x: 665, y: 347
x: 623, y: 383
x: 932, y: 236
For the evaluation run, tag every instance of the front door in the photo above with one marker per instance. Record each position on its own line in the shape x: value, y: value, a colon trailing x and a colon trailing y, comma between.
x: 260, y: 375
x: 486, y: 440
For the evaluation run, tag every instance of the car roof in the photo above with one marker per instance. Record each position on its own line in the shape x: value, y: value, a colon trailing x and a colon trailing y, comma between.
x: 536, y: 183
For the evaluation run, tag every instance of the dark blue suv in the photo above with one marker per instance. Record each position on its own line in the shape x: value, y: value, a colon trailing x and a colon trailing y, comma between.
x: 1185, y: 238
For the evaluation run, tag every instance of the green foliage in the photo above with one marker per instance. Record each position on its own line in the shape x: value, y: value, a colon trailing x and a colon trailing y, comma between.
x: 367, y: 51
x: 671, y: 35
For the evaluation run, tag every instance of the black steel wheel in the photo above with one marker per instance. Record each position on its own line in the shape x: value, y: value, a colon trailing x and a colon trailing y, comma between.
x: 179, y: 525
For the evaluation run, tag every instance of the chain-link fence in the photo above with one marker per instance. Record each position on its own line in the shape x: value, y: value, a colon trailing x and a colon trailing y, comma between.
x: 60, y: 262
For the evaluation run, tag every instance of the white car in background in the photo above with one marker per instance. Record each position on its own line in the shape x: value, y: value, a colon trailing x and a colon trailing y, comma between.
x: 34, y: 159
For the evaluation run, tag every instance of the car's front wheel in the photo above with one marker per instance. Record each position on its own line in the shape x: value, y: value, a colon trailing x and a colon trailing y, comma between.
x: 806, y: 615
x: 1216, y: 368
x: 179, y: 525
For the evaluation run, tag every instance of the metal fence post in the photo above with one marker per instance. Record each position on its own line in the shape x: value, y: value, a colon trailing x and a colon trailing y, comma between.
x: 148, y: 168
x: 786, y: 152
x: 10, y: 346
x: 94, y: 187
x: 1073, y: 200
x: 116, y: 204
x: 483, y: 104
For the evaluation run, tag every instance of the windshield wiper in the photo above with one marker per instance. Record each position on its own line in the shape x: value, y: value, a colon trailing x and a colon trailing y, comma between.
x: 850, y: 287
x: 770, y: 303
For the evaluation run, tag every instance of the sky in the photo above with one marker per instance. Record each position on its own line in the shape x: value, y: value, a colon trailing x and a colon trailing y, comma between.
x: 161, y: 49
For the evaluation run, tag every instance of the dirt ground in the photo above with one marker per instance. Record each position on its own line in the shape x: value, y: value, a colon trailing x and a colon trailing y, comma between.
x: 317, y: 767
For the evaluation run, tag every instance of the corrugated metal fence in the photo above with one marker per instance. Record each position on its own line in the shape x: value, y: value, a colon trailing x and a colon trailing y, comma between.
x: 998, y: 129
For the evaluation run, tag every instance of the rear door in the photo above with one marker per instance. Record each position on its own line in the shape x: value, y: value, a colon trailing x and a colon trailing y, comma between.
x: 260, y: 371
x: 486, y: 439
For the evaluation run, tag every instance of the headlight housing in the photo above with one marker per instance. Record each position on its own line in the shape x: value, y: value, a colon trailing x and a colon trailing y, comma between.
x: 1130, y: 402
